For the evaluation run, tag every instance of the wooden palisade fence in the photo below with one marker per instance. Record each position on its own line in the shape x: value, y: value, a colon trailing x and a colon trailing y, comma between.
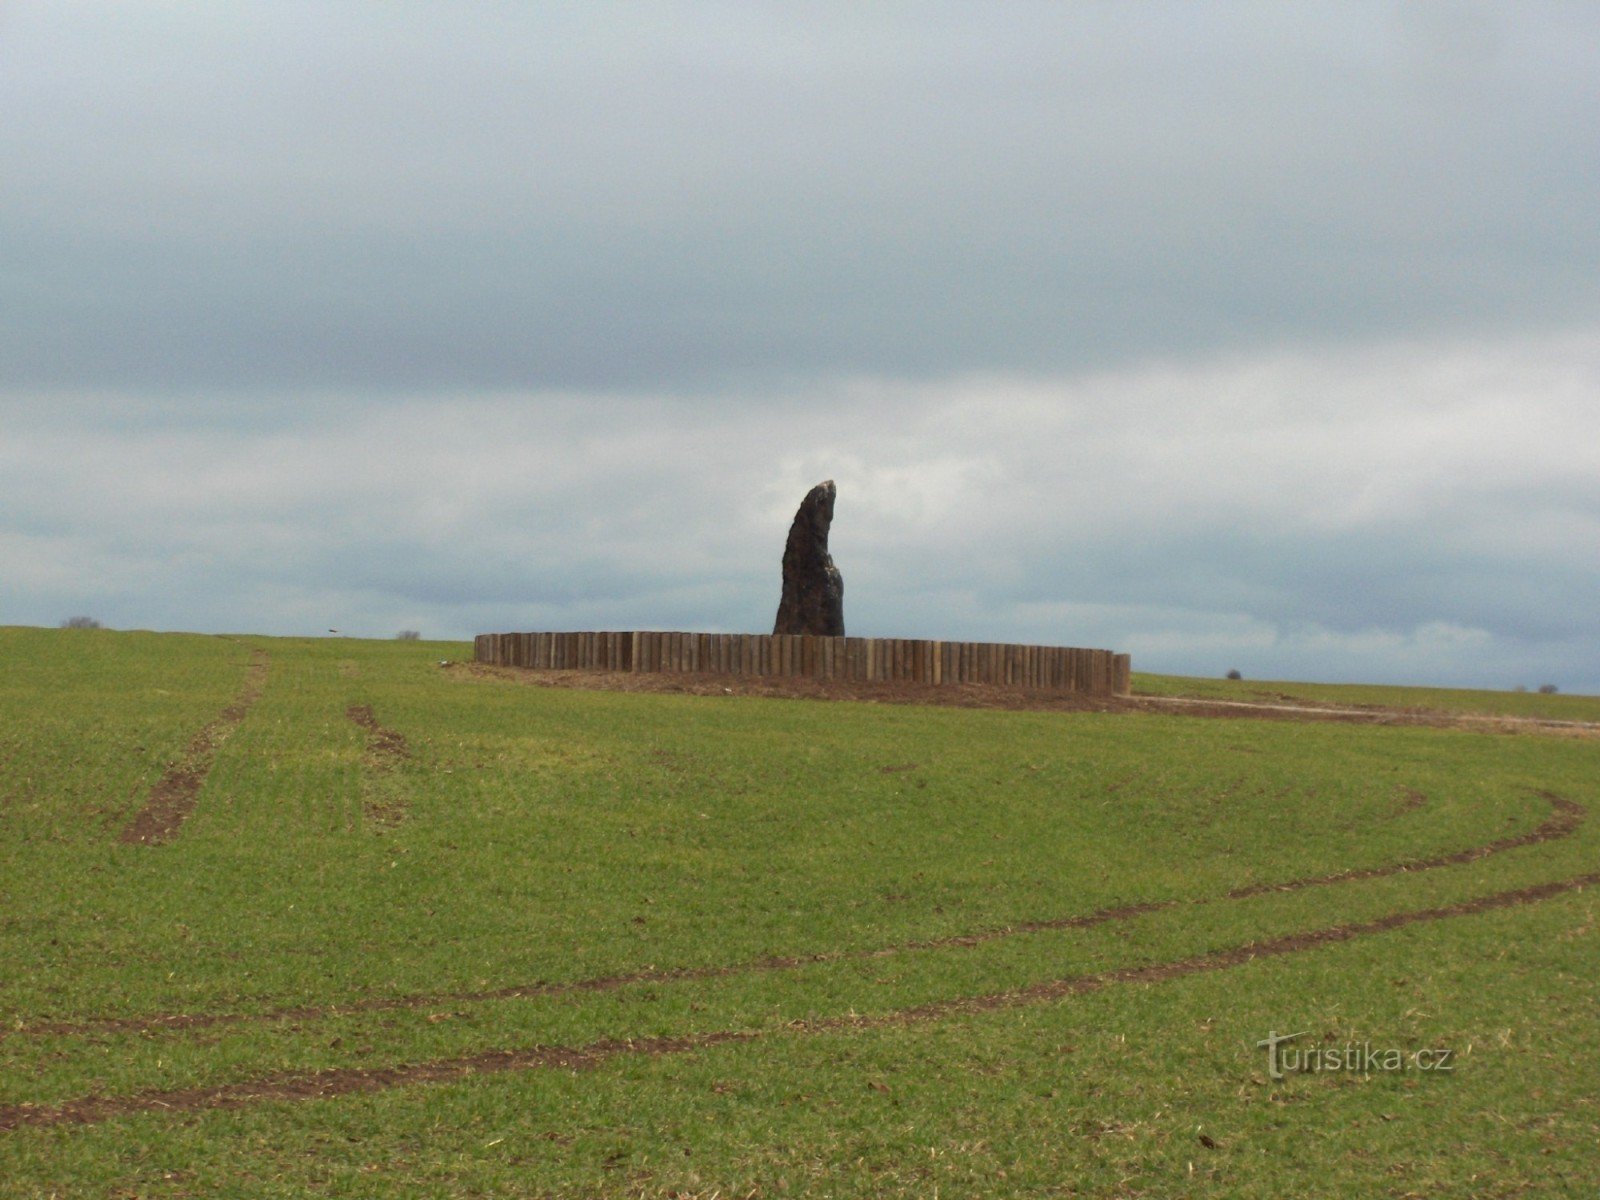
x: 1060, y: 668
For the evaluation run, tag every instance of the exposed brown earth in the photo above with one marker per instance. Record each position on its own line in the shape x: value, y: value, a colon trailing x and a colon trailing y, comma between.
x: 1410, y: 800
x: 1563, y: 822
x: 346, y: 1080
x: 175, y: 794
x: 386, y: 749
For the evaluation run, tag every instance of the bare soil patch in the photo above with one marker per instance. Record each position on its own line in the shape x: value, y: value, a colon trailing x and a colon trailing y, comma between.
x: 175, y: 794
x: 1410, y: 800
x: 388, y: 746
x: 386, y: 749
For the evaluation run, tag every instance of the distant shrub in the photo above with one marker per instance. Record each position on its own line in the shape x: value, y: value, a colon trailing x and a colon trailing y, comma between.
x: 408, y: 635
x: 1234, y: 674
x: 1547, y: 689
x: 80, y: 623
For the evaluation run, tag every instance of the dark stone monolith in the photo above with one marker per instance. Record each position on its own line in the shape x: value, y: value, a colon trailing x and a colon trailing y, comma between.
x: 813, y: 592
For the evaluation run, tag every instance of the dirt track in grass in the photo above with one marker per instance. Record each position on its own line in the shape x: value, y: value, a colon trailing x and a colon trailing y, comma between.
x: 386, y: 750
x: 1010, y: 698
x: 387, y: 747
x: 1564, y: 821
x: 175, y: 794
x: 344, y: 1081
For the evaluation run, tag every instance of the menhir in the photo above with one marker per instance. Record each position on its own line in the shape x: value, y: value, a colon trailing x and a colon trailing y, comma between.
x: 813, y: 592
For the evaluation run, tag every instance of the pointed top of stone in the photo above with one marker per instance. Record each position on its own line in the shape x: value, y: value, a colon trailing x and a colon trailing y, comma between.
x: 813, y: 591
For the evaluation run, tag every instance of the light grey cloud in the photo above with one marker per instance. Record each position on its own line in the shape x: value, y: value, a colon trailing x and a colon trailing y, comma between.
x: 1279, y: 515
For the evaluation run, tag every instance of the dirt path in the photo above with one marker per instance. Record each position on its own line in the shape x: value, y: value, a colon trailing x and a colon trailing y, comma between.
x: 387, y: 746
x: 1564, y: 821
x: 342, y: 1081
x: 1371, y: 716
x: 381, y: 804
x: 175, y: 794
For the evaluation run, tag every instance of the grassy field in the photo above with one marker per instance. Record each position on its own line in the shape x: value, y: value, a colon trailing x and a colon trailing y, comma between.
x: 409, y: 930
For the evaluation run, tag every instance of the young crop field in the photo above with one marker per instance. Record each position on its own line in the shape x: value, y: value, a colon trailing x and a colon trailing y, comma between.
x: 289, y: 917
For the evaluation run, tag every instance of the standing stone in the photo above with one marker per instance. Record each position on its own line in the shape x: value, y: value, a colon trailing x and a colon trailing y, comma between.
x: 813, y: 592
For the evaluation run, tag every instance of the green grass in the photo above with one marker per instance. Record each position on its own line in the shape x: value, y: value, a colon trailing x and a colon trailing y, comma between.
x: 558, y: 836
x: 1419, y: 699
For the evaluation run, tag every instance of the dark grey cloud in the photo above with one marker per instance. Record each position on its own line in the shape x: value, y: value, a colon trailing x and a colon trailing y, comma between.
x: 400, y: 197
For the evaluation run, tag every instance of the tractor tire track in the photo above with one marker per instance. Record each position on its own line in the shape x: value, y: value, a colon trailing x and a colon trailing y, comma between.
x: 381, y: 805
x: 342, y: 1081
x: 175, y: 794
x: 1564, y: 821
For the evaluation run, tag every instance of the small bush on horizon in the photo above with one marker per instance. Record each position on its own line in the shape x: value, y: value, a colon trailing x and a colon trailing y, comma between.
x: 1234, y: 674
x: 408, y: 635
x: 1547, y: 689
x: 80, y: 623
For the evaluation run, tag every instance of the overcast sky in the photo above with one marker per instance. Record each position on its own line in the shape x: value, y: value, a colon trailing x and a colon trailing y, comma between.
x: 1254, y: 336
